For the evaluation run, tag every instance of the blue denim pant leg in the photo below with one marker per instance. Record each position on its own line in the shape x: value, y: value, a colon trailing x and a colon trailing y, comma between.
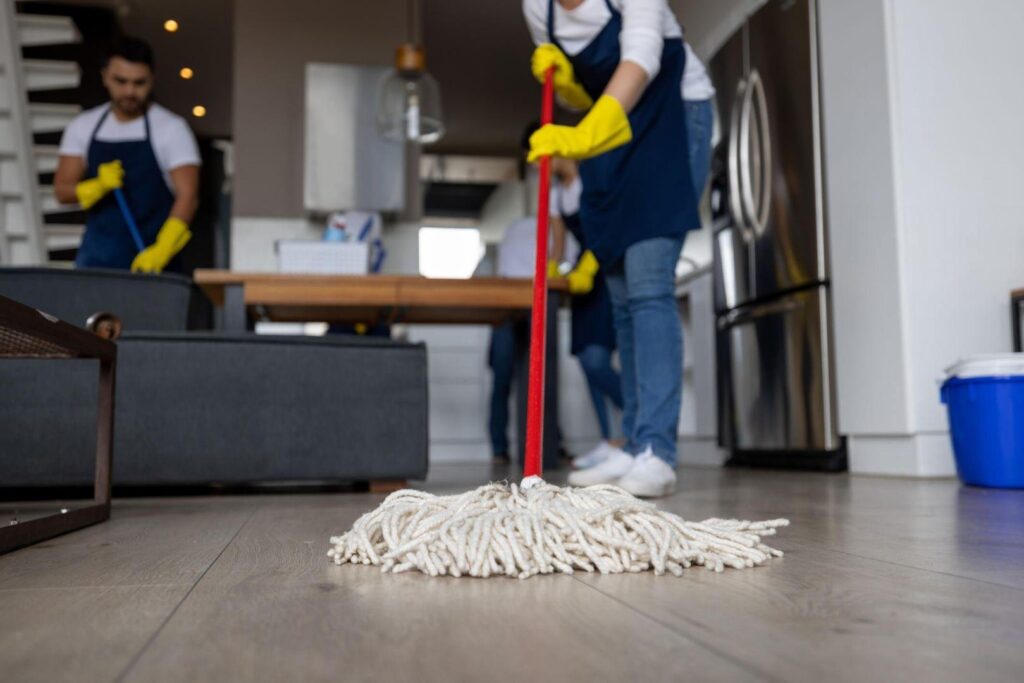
x: 502, y: 359
x: 602, y: 381
x: 650, y: 340
x: 700, y: 116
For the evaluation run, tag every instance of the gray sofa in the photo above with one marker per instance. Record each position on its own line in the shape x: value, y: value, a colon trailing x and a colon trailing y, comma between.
x: 205, y: 407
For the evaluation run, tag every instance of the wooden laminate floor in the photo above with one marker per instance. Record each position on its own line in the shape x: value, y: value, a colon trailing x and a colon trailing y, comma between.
x: 883, y: 580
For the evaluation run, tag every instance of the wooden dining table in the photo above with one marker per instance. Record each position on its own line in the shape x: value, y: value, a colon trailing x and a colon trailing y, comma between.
x: 371, y: 299
x: 397, y: 299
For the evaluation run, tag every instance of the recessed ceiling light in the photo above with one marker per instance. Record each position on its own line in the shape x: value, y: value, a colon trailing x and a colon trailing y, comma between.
x: 199, y: 111
x: 170, y: 25
x: 186, y: 73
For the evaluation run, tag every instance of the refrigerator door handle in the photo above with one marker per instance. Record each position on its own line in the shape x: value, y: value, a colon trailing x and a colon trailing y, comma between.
x: 756, y: 209
x: 741, y: 316
x: 735, y: 202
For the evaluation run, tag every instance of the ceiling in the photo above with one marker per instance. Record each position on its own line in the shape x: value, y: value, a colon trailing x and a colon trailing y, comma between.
x: 477, y: 50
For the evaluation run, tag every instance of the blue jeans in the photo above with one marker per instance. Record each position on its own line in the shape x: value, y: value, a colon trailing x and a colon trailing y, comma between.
x: 642, y: 286
x: 700, y: 116
x: 503, y: 366
x: 603, y: 382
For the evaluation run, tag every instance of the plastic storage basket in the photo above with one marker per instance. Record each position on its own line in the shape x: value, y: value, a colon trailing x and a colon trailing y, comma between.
x: 985, y: 400
x: 329, y: 258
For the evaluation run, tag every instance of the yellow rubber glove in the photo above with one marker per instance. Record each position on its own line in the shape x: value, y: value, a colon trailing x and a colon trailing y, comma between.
x: 109, y: 176
x: 171, y: 239
x: 553, y: 270
x: 571, y: 92
x: 581, y: 279
x: 604, y: 128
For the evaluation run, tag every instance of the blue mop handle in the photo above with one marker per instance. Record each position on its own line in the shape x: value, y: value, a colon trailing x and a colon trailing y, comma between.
x: 129, y: 219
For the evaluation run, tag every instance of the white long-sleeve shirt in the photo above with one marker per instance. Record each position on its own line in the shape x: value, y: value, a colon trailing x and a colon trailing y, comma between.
x: 645, y: 25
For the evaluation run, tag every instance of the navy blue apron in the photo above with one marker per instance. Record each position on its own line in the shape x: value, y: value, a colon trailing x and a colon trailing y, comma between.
x: 643, y: 189
x: 108, y: 242
x: 592, y: 320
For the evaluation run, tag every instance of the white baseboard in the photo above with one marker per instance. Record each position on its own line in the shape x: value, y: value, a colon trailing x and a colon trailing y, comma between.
x: 475, y: 451
x: 702, y: 451
x: 904, y: 455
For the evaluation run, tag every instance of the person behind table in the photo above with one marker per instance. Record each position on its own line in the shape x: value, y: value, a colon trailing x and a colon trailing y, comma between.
x: 592, y: 327
x: 137, y: 147
x: 516, y: 254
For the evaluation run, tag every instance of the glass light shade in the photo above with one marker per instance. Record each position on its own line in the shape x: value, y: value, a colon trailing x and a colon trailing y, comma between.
x: 409, y: 107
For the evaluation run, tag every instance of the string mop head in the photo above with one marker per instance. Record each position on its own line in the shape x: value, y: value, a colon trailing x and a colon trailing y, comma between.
x: 537, y: 528
x: 520, y: 531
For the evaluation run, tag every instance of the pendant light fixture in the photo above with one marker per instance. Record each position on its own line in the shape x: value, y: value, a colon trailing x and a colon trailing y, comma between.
x: 409, y: 101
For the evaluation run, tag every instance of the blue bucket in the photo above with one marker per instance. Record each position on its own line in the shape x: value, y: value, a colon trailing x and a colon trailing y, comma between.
x: 985, y: 400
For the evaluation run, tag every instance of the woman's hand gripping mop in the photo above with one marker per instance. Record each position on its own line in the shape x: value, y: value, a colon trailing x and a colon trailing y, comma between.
x: 505, y: 529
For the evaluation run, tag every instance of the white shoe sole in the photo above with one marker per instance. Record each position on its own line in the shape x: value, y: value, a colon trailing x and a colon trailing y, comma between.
x: 583, y: 478
x: 645, y: 490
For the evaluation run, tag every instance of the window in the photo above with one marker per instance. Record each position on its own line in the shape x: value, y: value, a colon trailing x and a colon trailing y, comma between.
x: 449, y: 252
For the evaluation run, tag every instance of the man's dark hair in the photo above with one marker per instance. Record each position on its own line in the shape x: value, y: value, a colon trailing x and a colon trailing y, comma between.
x: 132, y: 50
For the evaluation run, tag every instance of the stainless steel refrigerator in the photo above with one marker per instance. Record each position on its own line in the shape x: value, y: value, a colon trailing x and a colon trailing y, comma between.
x: 776, y: 380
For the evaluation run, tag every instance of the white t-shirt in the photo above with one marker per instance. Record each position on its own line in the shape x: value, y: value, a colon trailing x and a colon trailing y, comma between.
x: 519, y: 246
x: 645, y: 25
x: 170, y: 136
x: 565, y: 199
x: 696, y: 82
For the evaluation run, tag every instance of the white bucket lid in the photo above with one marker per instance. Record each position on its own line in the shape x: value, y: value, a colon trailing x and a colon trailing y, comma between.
x: 989, y: 365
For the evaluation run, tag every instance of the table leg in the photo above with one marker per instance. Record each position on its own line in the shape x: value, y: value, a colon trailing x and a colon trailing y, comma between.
x: 235, y: 318
x: 1015, y: 305
x: 105, y: 433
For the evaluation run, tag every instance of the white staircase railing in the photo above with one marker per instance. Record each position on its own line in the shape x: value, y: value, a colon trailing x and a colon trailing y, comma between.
x: 21, y: 216
x: 25, y: 239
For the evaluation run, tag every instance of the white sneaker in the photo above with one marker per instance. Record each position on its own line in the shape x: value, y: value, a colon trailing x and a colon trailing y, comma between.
x: 649, y: 477
x: 595, y: 456
x: 608, y: 472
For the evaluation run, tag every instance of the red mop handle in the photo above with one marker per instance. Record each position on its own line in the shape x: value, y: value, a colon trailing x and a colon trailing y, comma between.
x: 538, y: 328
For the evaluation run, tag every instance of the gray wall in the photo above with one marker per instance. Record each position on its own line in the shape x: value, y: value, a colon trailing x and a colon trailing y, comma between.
x: 273, y: 42
x: 478, y: 51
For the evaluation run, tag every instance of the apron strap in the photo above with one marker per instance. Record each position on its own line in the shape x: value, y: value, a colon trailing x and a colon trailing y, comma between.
x: 96, y: 129
x: 551, y: 23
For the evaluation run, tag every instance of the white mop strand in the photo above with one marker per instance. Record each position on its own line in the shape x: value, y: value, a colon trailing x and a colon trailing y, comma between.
x: 509, y: 530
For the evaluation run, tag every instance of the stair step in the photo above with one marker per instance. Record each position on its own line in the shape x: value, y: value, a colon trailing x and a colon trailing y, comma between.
x: 48, y: 74
x: 40, y: 29
x: 60, y: 237
x: 48, y: 201
x: 46, y: 157
x: 51, y: 118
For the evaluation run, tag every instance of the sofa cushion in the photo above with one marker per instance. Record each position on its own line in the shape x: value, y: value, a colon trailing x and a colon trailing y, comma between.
x: 157, y: 303
x: 202, y: 408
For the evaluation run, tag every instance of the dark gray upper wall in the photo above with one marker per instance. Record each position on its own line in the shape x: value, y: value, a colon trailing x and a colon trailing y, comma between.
x: 478, y: 51
x: 274, y: 40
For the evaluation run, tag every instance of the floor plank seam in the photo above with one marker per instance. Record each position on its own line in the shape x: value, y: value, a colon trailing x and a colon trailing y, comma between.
x: 149, y: 641
x: 91, y: 586
x: 685, y: 636
x: 951, y: 575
